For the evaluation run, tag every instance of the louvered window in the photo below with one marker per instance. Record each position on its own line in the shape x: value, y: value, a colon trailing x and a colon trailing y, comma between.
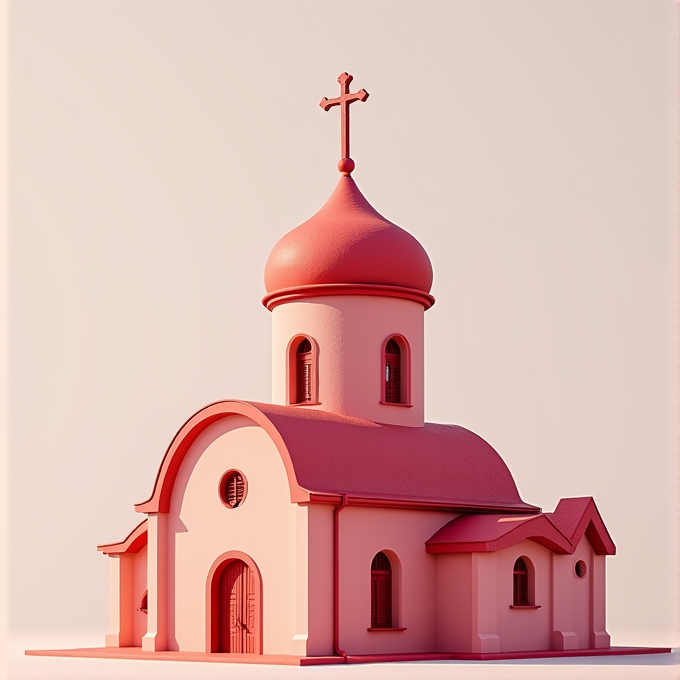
x: 233, y: 489
x: 381, y: 592
x: 392, y: 372
x: 304, y: 372
x: 520, y: 584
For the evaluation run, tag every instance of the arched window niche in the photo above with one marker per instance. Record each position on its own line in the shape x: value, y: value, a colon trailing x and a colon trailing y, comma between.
x: 523, y: 580
x: 396, y: 372
x: 385, y: 592
x: 303, y: 371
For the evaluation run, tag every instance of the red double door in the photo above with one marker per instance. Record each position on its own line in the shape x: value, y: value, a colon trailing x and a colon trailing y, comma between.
x: 237, y: 603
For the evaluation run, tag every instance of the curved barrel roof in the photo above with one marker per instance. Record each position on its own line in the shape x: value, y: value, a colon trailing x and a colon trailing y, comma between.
x: 329, y: 454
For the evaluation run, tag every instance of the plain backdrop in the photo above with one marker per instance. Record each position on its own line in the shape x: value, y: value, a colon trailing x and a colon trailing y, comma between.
x: 159, y: 149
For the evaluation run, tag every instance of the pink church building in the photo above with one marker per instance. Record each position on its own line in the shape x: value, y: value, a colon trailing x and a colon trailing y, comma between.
x: 335, y: 524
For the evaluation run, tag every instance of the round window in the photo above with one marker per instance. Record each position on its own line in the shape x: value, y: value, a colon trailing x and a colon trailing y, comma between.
x: 580, y: 569
x: 233, y: 488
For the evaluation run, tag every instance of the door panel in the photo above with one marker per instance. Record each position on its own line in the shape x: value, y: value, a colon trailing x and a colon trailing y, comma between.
x: 237, y: 604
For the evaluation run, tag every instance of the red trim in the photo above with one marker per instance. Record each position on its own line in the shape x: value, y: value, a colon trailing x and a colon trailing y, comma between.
x: 212, y: 599
x: 192, y: 428
x: 525, y: 606
x: 134, y: 542
x: 418, y: 505
x: 336, y: 579
x: 283, y: 295
x: 293, y: 660
x: 383, y: 630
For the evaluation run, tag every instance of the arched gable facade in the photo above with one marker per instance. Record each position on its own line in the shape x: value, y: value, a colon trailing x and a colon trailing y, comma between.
x: 203, y: 534
x: 187, y: 435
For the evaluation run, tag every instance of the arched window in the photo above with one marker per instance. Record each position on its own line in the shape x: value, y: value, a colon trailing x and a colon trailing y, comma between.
x: 392, y: 372
x: 144, y: 604
x: 381, y: 592
x: 520, y: 584
x: 303, y: 372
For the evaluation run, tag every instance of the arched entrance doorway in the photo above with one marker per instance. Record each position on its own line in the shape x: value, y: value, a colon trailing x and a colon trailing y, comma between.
x: 235, y: 606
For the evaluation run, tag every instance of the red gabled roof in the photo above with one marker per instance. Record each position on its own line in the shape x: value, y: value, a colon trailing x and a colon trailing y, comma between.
x: 324, y: 453
x: 577, y: 516
x: 560, y: 531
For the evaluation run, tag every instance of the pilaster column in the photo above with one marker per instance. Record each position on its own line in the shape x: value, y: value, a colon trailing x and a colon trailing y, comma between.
x: 156, y: 638
x: 600, y: 638
x: 485, y: 638
x: 562, y: 636
x: 301, y: 636
x: 120, y: 601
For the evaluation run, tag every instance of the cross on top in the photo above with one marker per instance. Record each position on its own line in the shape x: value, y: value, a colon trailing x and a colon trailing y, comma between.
x: 346, y: 164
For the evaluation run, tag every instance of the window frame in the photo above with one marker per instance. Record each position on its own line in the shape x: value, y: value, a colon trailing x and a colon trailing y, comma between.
x: 404, y: 372
x: 378, y: 577
x: 292, y: 377
x: 528, y: 574
x: 224, y: 479
x: 393, y: 579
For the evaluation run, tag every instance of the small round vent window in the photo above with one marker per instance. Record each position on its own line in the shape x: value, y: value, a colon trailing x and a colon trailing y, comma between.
x: 233, y: 488
x: 580, y: 569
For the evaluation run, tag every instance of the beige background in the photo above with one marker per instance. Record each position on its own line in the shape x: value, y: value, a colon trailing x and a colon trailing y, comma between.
x: 157, y: 152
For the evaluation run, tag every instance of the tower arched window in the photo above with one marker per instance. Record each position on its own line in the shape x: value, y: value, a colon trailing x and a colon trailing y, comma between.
x: 392, y: 372
x: 302, y: 372
x: 395, y: 377
x: 520, y: 583
x: 381, y: 592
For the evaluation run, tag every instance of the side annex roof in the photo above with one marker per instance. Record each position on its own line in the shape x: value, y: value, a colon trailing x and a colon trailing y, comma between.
x: 560, y: 531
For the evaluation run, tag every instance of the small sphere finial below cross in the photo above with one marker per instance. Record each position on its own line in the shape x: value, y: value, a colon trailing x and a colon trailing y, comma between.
x: 346, y: 164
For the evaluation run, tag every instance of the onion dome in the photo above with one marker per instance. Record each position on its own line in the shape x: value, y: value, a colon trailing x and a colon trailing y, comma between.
x: 348, y: 248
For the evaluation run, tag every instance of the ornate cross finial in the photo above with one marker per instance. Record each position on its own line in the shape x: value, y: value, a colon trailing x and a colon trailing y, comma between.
x: 346, y: 164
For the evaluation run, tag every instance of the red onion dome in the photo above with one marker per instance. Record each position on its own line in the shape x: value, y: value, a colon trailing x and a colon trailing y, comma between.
x: 348, y: 242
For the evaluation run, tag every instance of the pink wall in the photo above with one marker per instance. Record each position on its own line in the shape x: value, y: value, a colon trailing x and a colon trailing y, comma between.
x: 350, y: 332
x: 475, y: 594
x: 401, y: 534
x: 454, y: 602
x: 579, y: 604
x: 525, y: 628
